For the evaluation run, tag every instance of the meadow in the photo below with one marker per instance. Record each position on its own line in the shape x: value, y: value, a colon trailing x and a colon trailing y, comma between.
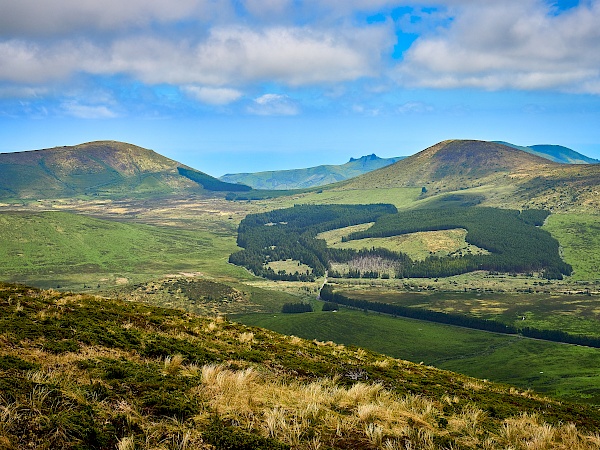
x: 68, y: 251
x: 576, y: 313
x: 526, y: 363
x: 579, y: 237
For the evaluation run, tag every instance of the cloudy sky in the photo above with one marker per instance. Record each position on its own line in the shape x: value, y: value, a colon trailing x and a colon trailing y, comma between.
x: 247, y: 85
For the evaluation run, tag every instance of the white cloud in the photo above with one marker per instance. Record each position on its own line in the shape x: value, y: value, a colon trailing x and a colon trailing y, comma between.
x: 60, y: 17
x: 213, y: 96
x: 274, y: 105
x: 233, y: 55
x: 517, y: 45
x: 73, y: 108
x: 415, y: 108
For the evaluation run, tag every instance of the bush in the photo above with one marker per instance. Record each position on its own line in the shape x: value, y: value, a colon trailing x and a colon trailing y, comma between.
x: 293, y: 308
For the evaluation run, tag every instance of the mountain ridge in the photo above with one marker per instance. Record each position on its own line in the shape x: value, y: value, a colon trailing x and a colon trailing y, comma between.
x: 310, y: 176
x: 556, y: 153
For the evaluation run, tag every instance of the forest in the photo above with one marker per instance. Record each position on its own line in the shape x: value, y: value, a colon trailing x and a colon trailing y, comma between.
x: 290, y: 233
x: 513, y: 238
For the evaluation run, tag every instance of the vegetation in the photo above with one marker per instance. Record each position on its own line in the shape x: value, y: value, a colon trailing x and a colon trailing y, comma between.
x: 459, y: 320
x: 211, y: 183
x: 146, y: 377
x: 294, y: 308
x: 290, y: 234
x: 514, y: 241
x: 63, y: 250
x: 522, y: 362
x: 579, y: 237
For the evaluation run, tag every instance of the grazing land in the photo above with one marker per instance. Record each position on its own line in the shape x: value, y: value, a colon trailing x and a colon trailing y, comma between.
x: 527, y: 363
x: 575, y: 313
x: 418, y: 246
x: 579, y: 237
x: 63, y: 250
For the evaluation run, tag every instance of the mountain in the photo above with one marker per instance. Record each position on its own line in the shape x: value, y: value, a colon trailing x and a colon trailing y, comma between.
x: 556, y: 153
x: 452, y: 165
x: 78, y: 371
x: 310, y: 177
x: 494, y: 174
x: 102, y: 168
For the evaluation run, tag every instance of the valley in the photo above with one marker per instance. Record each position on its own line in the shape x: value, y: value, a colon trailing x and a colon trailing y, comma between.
x: 174, y: 249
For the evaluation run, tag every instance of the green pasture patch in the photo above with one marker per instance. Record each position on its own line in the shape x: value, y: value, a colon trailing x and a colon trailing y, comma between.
x: 289, y: 266
x: 569, y: 371
x: 579, y: 238
x: 418, y: 246
x: 399, y: 197
x: 63, y: 250
x: 572, y: 313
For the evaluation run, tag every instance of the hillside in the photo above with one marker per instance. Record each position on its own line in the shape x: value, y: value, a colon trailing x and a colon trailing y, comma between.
x: 556, y: 153
x: 78, y: 371
x: 103, y: 168
x: 491, y: 174
x: 310, y: 177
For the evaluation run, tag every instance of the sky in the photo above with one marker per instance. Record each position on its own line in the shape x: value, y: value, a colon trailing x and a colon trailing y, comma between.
x: 230, y: 86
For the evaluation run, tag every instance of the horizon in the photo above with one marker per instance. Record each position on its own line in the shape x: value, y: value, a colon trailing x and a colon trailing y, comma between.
x: 248, y: 86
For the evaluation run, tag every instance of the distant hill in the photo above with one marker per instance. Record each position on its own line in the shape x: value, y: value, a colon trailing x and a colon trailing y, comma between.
x: 312, y: 176
x: 102, y: 168
x: 556, y: 153
x: 497, y: 174
x: 452, y: 165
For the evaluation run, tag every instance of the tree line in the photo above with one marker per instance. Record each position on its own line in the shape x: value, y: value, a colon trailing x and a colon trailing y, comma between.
x: 290, y: 233
x: 513, y: 238
x: 477, y: 323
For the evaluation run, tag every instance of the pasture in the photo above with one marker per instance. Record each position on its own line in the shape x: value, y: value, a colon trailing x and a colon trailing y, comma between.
x: 565, y: 371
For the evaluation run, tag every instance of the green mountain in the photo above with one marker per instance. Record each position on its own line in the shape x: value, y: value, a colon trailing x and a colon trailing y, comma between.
x: 310, y: 177
x: 556, y: 153
x: 452, y: 165
x: 78, y: 371
x: 103, y: 168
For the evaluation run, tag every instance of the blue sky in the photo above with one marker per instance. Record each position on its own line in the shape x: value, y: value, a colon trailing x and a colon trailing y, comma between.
x: 248, y: 85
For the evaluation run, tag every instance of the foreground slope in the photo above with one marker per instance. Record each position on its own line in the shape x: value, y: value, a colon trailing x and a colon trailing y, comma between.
x: 310, y: 177
x: 79, y: 371
x: 105, y: 168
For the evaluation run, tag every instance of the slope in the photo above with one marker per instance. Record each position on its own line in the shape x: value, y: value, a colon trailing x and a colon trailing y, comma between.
x: 78, y: 371
x: 310, y: 177
x: 102, y: 168
x: 491, y: 174
x: 556, y: 153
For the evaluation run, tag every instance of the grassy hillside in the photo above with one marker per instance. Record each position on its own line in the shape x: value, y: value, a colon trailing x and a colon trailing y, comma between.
x: 71, y: 250
x: 83, y: 372
x: 526, y: 363
x: 496, y: 174
x: 309, y: 177
x: 103, y: 168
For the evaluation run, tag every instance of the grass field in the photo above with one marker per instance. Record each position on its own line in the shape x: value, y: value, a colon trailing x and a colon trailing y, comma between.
x: 289, y: 266
x: 565, y: 371
x: 400, y: 197
x: 579, y: 237
x: 61, y: 249
x: 418, y: 245
x: 573, y: 313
